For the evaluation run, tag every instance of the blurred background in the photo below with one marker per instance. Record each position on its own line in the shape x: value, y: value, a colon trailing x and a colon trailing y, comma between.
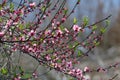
x: 109, y: 50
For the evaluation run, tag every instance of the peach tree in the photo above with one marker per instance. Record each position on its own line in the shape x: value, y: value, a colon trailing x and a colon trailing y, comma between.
x: 45, y: 38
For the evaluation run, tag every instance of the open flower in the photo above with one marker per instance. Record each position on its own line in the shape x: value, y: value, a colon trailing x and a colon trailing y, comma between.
x: 59, y: 33
x: 31, y: 33
x: 76, y: 28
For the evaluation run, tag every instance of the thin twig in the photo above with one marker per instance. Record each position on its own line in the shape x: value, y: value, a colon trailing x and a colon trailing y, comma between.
x: 114, y: 77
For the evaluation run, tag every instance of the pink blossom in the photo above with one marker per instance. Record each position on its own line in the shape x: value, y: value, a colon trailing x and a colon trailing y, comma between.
x: 70, y: 72
x: 2, y: 12
x: 30, y: 49
x: 48, y: 14
x: 101, y: 70
x: 48, y: 58
x: 17, y: 78
x: 17, y: 12
x: 86, y: 69
x: 2, y: 34
x: 59, y: 32
x: 35, y: 75
x: 76, y: 28
x: 66, y: 30
x: 58, y: 23
x: 34, y: 45
x: 44, y: 17
x: 31, y: 33
x: 47, y: 32
x: 53, y: 24
x: 63, y: 20
x: 9, y: 22
x: 86, y: 77
x: 79, y: 72
x: 32, y: 4
x: 69, y: 65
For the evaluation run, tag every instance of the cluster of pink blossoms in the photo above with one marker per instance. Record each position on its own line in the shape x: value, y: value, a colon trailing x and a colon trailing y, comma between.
x: 55, y: 45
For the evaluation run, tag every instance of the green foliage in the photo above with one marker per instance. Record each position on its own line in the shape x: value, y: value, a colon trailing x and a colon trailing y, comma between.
x: 43, y: 8
x: 107, y: 22
x: 94, y: 27
x: 21, y: 26
x: 78, y: 0
x: 27, y: 25
x: 102, y: 30
x: 11, y: 7
x: 96, y: 43
x: 53, y: 57
x: 85, y: 20
x: 76, y: 44
x: 26, y: 76
x: 4, y: 71
x: 62, y: 28
x: 73, y: 45
x: 59, y: 61
x: 79, y: 53
x: 49, y: 51
x: 41, y: 39
x: 20, y: 69
x: 70, y: 46
x: 1, y: 19
x: 75, y: 20
x: 65, y: 11
x: 0, y: 6
x: 71, y: 78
